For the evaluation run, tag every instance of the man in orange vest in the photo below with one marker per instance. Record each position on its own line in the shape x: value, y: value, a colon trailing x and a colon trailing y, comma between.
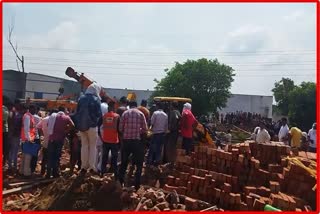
x: 110, y: 138
x: 28, y: 134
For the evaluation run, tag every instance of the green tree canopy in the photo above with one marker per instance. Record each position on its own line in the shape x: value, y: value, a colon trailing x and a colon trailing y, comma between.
x: 302, y: 105
x: 206, y: 82
x: 281, y: 92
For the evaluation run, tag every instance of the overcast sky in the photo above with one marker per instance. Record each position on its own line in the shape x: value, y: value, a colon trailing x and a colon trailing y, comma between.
x: 128, y: 45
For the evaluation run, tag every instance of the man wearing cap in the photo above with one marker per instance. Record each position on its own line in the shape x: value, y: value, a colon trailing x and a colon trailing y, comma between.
x: 188, y: 123
x: 86, y: 118
x: 312, y: 136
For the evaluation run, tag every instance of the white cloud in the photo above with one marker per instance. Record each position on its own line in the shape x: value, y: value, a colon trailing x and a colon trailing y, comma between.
x: 64, y: 35
x: 294, y: 16
x: 246, y: 38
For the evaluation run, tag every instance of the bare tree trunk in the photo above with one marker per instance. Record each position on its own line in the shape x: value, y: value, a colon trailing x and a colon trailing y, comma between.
x: 15, y: 48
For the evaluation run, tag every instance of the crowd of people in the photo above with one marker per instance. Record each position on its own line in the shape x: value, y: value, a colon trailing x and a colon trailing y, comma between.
x: 99, y: 129
x: 96, y: 129
x: 292, y: 137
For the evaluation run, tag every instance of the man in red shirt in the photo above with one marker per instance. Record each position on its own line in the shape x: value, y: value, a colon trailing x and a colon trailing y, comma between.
x: 188, y: 123
x: 61, y: 124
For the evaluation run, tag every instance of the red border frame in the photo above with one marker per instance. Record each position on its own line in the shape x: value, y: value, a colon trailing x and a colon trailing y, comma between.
x: 193, y: 1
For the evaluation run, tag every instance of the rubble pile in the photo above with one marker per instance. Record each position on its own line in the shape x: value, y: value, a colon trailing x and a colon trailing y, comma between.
x: 151, y: 199
x: 245, y: 177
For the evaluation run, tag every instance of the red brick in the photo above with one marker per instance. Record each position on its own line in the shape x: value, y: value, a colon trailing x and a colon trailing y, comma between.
x: 237, y: 198
x: 249, y: 201
x: 177, y: 182
x: 169, y: 188
x: 249, y: 189
x: 191, y: 204
x: 227, y: 187
x: 170, y: 180
x: 218, y: 192
x: 243, y: 207
x: 258, y: 205
x: 182, y: 190
x: 232, y: 198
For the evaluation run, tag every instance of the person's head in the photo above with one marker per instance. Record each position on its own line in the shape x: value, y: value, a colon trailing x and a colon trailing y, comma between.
x: 229, y: 131
x: 61, y: 108
x: 123, y: 100
x: 262, y: 125
x: 53, y: 111
x: 32, y: 109
x: 314, y: 126
x: 25, y: 108
x: 144, y: 103
x: 284, y: 121
x: 174, y: 105
x: 187, y: 106
x: 159, y: 105
x: 104, y: 99
x: 94, y: 89
x: 17, y: 104
x: 111, y: 106
x: 133, y: 104
x: 304, y: 137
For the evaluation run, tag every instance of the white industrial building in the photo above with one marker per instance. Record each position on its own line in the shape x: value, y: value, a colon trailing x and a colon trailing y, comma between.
x: 41, y: 86
x: 249, y: 103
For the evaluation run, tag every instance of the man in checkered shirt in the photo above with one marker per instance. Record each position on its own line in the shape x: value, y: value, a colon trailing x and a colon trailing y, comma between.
x: 132, y: 125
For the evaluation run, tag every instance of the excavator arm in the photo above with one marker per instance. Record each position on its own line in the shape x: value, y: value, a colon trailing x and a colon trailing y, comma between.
x: 85, y: 82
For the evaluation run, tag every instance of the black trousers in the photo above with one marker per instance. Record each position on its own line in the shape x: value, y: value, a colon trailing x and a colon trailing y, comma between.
x: 106, y: 148
x: 170, y: 147
x: 44, y: 162
x: 188, y: 144
x: 5, y: 148
x: 34, y: 159
x: 136, y: 148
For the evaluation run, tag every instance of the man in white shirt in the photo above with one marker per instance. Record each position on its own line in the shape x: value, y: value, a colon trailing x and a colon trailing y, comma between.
x: 255, y: 132
x: 312, y: 137
x: 159, y: 127
x: 263, y: 135
x: 104, y: 110
x: 43, y: 125
x: 34, y: 110
x: 284, y: 131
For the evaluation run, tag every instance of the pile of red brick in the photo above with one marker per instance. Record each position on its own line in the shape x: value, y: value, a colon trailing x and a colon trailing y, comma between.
x: 240, y: 178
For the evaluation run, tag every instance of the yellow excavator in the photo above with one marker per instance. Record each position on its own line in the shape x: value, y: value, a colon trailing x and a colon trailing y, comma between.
x: 201, y: 133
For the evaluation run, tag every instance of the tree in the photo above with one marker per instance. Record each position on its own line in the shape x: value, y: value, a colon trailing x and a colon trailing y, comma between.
x: 15, y: 48
x: 206, y: 82
x: 302, y: 105
x: 281, y: 92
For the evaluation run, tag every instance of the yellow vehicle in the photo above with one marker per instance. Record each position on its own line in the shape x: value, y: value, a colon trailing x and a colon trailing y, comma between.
x: 51, y: 104
x: 200, y: 133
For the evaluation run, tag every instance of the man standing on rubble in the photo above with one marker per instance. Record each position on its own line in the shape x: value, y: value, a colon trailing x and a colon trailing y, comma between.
x: 159, y: 127
x: 312, y: 137
x: 144, y: 110
x: 123, y: 106
x: 133, y: 126
x: 58, y: 126
x: 29, y: 148
x: 104, y: 110
x: 15, y: 124
x: 284, y: 131
x: 170, y: 145
x: 87, y: 117
x: 5, y: 131
x: 110, y: 139
x: 34, y: 110
x: 187, y: 125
